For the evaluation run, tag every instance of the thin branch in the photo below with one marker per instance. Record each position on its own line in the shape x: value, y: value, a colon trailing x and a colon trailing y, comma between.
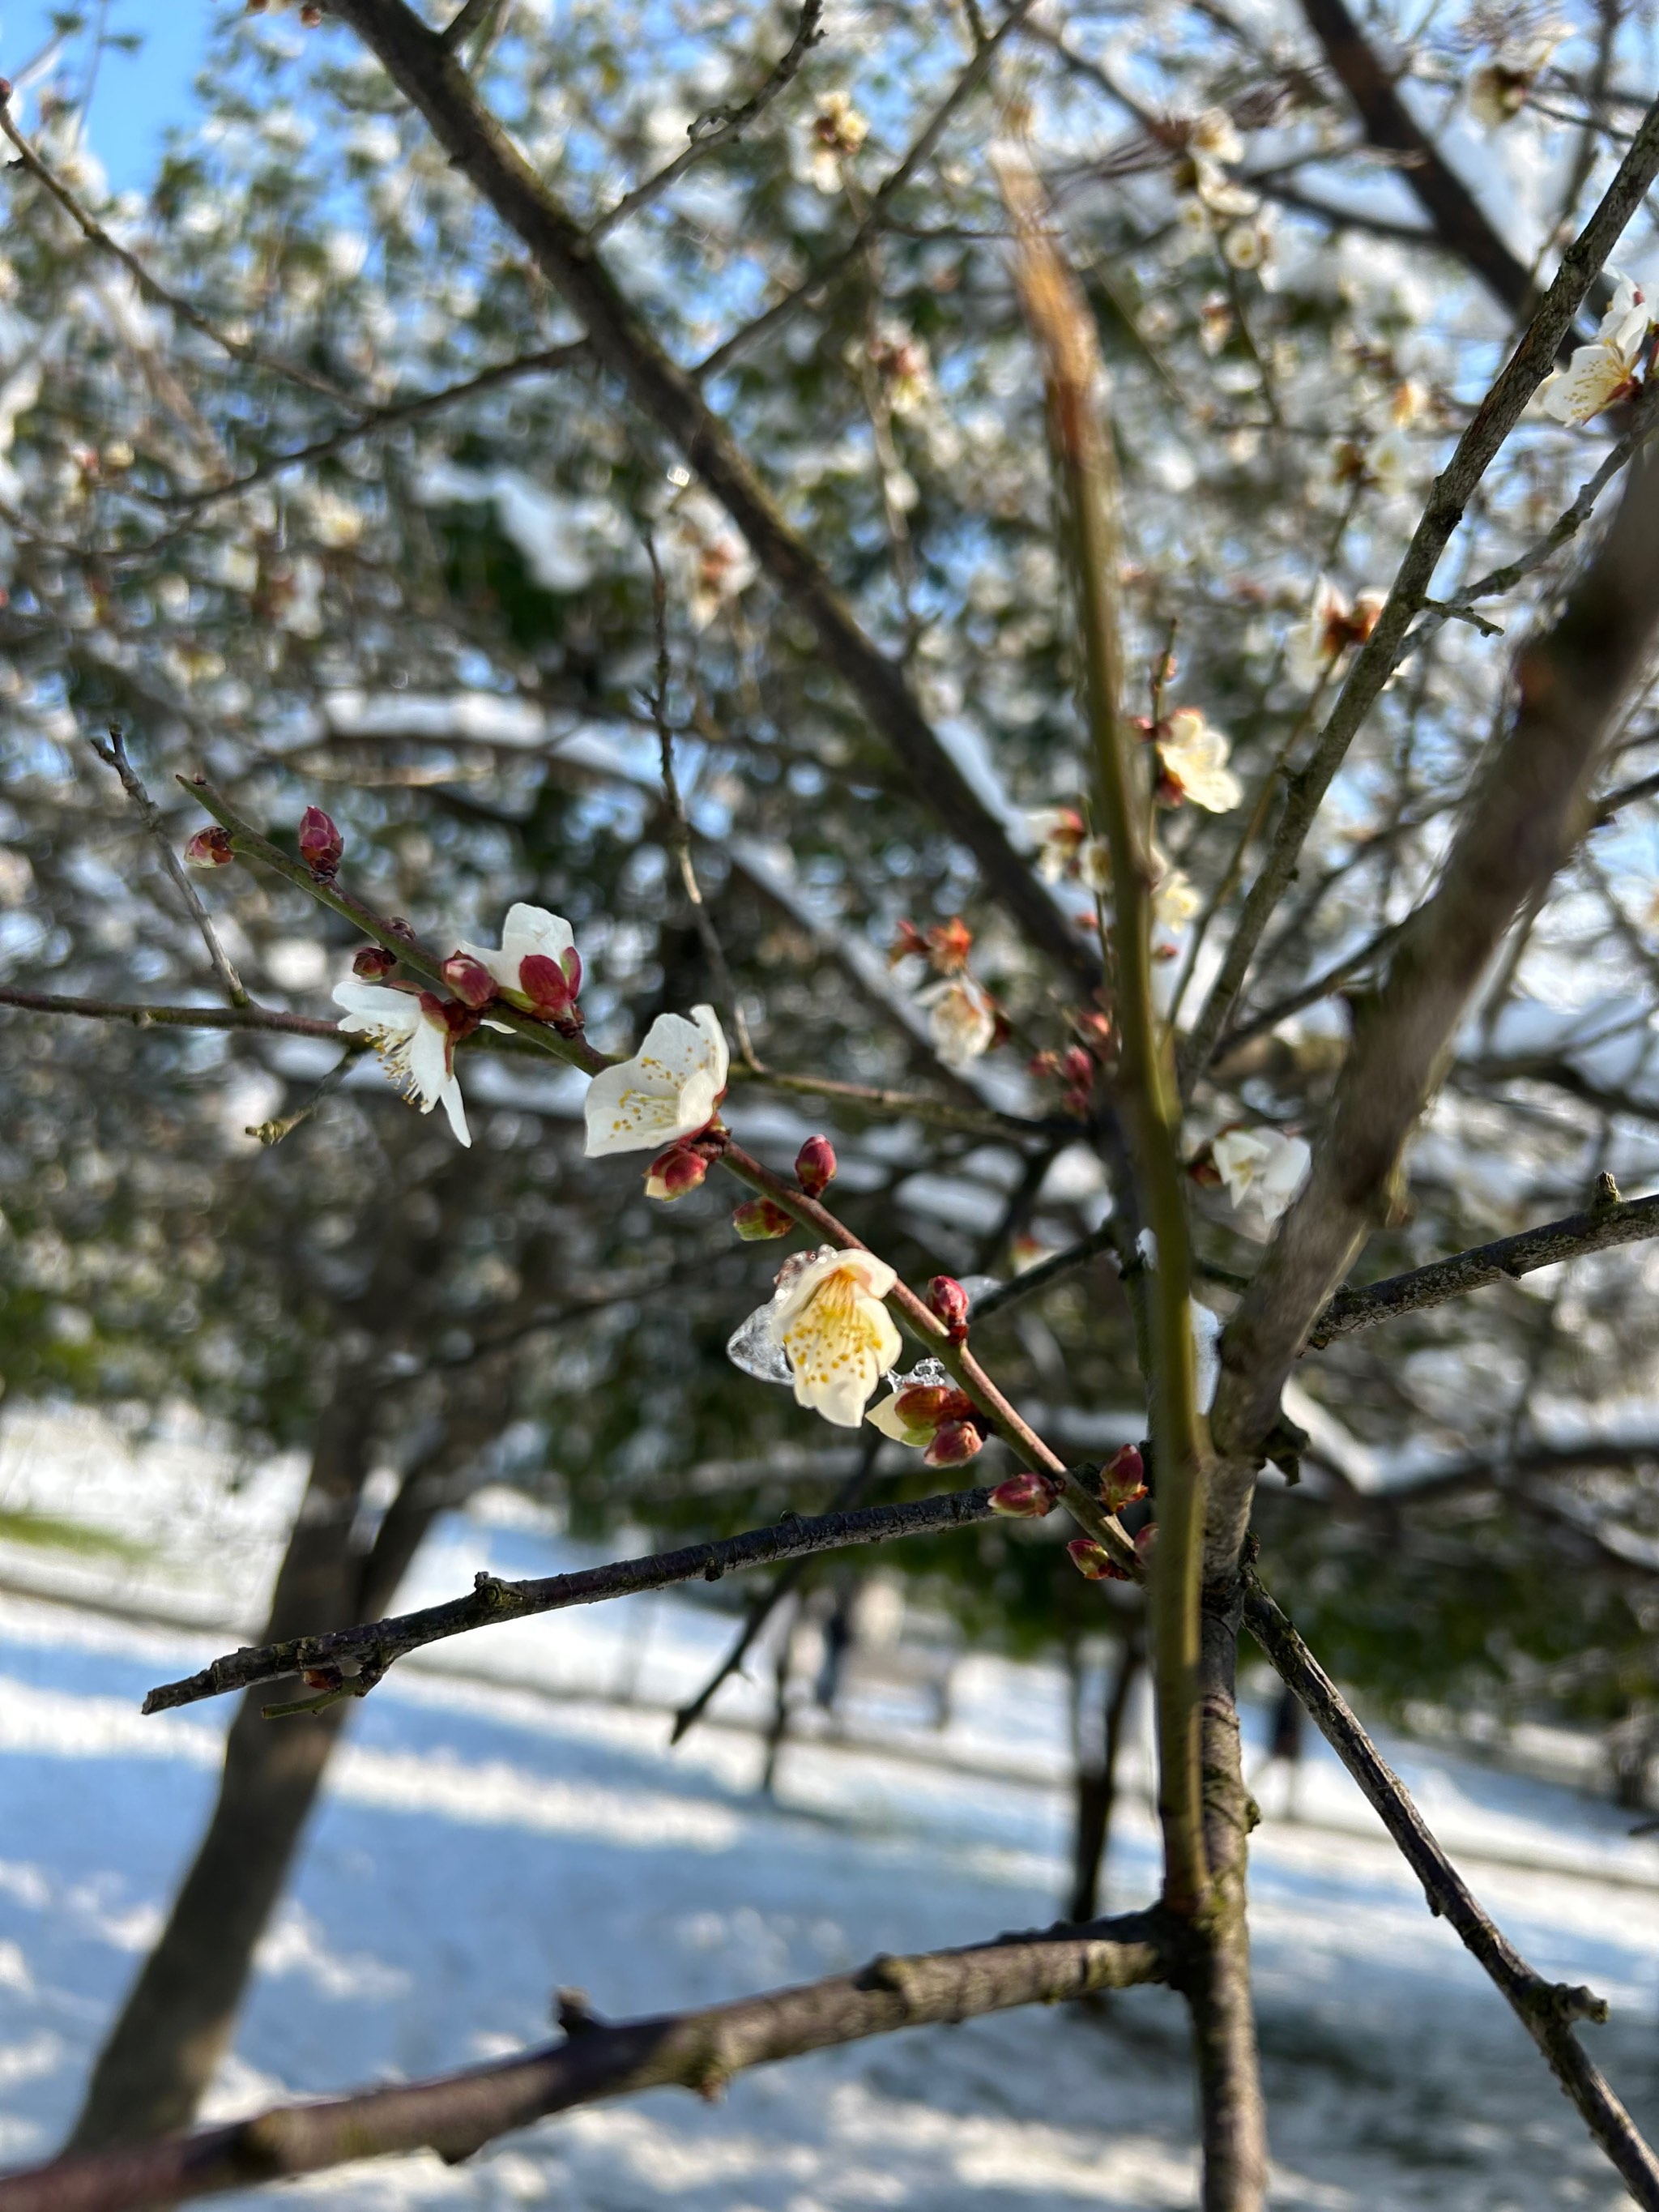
x: 371, y: 425
x: 1307, y: 994
x: 115, y: 755
x: 375, y: 1646
x: 273, y: 1131
x: 920, y: 152
x: 717, y: 126
x: 1032, y: 1280
x: 456, y: 2114
x: 169, y: 1017
x: 1489, y: 427
x: 1508, y: 1259
x: 1547, y: 2010
x: 467, y: 17
x: 152, y: 288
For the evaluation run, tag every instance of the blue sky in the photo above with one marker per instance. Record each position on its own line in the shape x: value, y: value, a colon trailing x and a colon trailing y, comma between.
x: 137, y: 95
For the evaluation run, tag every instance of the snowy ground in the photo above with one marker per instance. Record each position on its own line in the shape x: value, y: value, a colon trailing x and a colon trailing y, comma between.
x: 492, y: 1835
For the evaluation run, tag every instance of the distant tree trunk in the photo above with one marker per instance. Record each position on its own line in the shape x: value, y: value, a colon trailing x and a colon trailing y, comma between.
x: 178, y: 2021
x: 1096, y: 1787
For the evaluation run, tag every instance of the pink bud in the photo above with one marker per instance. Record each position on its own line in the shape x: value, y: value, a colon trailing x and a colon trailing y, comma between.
x: 1123, y: 1479
x: 954, y: 1442
x: 1093, y: 1561
x: 320, y: 843
x: 674, y: 1172
x: 1023, y: 1496
x: 1146, y: 1540
x: 373, y: 962
x: 922, y: 1406
x: 469, y: 978
x: 759, y: 1218
x: 949, y: 1303
x: 545, y: 984
x: 815, y: 1165
x: 209, y: 848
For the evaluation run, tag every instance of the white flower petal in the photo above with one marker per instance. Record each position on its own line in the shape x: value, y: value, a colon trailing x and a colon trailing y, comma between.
x: 670, y: 1089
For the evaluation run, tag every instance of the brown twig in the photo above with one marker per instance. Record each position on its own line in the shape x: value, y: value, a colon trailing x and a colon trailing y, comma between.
x: 1488, y: 429
x: 169, y: 1017
x: 719, y: 126
x: 115, y: 755
x: 456, y: 2114
x: 1547, y: 2010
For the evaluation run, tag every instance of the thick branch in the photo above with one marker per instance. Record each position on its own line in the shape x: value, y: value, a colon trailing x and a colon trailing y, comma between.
x: 372, y: 1648
x: 433, y: 79
x: 1506, y: 1259
x: 1547, y: 2010
x: 1490, y: 424
x: 1530, y: 805
x: 456, y: 2114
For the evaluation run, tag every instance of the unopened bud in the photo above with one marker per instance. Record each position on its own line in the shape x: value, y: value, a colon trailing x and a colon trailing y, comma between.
x: 322, y: 1678
x: 1093, y: 1561
x: 469, y: 978
x: 1123, y: 1479
x: 759, y: 1218
x: 922, y: 1405
x: 321, y: 844
x: 949, y: 1303
x: 209, y: 848
x: 373, y: 963
x: 674, y: 1172
x: 948, y: 944
x: 1146, y: 1541
x: 551, y: 985
x: 1024, y: 1497
x: 815, y: 1165
x: 954, y: 1442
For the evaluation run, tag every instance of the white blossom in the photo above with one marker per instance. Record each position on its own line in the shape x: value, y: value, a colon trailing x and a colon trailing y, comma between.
x: 1194, y: 756
x: 415, y: 1044
x: 1059, y: 836
x: 1332, y: 624
x: 1605, y: 370
x: 838, y: 1336
x: 527, y: 930
x: 1262, y: 1164
x: 670, y: 1088
x: 960, y: 1021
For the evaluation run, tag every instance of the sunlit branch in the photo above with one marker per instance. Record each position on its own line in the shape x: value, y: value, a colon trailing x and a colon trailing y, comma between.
x: 1547, y: 2010
x: 456, y: 2114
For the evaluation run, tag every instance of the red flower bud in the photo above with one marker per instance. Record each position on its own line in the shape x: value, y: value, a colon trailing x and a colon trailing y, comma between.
x: 546, y: 983
x: 1093, y: 1561
x: 1024, y: 1497
x: 815, y: 1165
x: 761, y: 1218
x: 209, y: 848
x: 373, y: 962
x: 1123, y: 1479
x: 322, y: 1678
x: 320, y: 843
x: 676, y: 1172
x: 907, y: 939
x: 922, y: 1405
x: 949, y: 1303
x: 469, y: 978
x: 954, y: 1442
x: 1146, y: 1540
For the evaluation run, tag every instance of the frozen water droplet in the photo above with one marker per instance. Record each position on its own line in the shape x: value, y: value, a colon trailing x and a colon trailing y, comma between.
x: 754, y: 1349
x: 925, y: 1374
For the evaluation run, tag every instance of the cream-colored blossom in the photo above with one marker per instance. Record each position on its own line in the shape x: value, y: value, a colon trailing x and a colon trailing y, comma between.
x: 1605, y: 370
x: 1094, y: 864
x: 1175, y: 900
x: 839, y: 1338
x: 1194, y: 756
x: 960, y: 1020
x: 1262, y: 1164
x: 1333, y: 623
x: 415, y: 1044
x: 1059, y: 836
x: 838, y: 132
x: 1214, y: 133
x: 670, y: 1088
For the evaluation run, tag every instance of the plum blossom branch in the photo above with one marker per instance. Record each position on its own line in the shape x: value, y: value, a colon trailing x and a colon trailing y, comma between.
x: 351, y: 1654
x: 456, y: 2114
x: 146, y: 1016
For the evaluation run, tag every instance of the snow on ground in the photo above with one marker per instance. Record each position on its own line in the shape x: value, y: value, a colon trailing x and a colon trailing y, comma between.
x: 499, y: 1825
